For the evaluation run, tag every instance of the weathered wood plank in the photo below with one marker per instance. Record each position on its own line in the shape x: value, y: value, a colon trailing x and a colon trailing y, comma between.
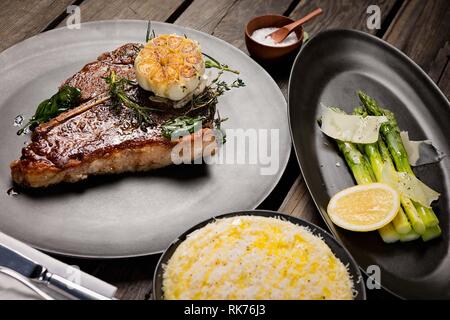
x: 231, y: 27
x: 421, y: 29
x: 21, y: 19
x: 298, y: 203
x: 203, y: 16
x: 437, y: 67
x: 135, y: 9
x: 347, y: 14
x: 133, y: 277
x: 227, y: 20
x: 444, y: 82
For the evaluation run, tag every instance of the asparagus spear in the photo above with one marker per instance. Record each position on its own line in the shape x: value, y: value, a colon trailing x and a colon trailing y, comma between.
x: 389, y: 234
x: 391, y: 134
x: 408, y: 206
x: 427, y: 214
x: 410, y: 236
x: 358, y: 164
x: 400, y: 221
x: 363, y: 174
x: 431, y: 233
x: 377, y: 162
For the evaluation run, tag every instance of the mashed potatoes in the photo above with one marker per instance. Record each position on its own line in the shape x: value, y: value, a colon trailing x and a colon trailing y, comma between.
x: 250, y: 257
x: 170, y: 66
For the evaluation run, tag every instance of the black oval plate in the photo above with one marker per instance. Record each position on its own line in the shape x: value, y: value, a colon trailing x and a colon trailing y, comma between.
x: 330, y: 68
x: 338, y: 250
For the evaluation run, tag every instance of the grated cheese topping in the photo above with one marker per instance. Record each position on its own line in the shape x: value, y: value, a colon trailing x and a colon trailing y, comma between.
x: 250, y: 257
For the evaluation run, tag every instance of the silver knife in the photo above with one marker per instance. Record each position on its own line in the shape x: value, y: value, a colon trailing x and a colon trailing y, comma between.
x: 35, y: 272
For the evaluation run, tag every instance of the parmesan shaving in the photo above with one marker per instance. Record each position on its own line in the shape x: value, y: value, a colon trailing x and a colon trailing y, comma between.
x: 409, y: 186
x: 420, y: 152
x: 416, y: 189
x: 351, y: 128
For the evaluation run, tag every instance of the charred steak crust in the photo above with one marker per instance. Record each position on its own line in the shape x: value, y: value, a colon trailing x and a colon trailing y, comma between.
x: 98, y: 137
x: 90, y: 78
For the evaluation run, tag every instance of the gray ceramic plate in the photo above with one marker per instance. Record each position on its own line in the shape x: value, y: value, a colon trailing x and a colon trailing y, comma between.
x: 329, y: 69
x: 135, y: 214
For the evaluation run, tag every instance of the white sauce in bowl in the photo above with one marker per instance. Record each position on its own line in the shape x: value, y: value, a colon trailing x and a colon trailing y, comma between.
x: 260, y: 36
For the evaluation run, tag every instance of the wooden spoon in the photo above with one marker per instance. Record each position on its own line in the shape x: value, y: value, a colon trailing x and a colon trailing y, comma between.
x: 281, y: 34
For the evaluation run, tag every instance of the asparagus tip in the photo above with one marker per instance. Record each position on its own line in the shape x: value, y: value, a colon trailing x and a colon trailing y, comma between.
x: 361, y: 94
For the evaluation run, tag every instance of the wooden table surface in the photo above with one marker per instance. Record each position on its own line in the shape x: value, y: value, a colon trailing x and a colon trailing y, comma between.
x: 420, y: 28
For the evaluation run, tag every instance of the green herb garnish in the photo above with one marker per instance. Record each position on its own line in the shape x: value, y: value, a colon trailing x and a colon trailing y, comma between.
x: 205, y: 100
x: 218, y: 127
x: 181, y: 125
x: 213, y: 63
x: 66, y: 98
x: 117, y: 92
x: 217, y: 88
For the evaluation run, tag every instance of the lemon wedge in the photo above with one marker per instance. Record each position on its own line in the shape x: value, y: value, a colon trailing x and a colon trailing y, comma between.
x: 365, y: 207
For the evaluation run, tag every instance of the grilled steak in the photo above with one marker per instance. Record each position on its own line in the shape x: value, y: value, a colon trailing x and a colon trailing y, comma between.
x: 90, y: 78
x: 99, y: 137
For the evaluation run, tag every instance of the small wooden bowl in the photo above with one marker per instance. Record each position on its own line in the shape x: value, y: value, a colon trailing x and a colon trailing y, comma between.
x: 264, y: 52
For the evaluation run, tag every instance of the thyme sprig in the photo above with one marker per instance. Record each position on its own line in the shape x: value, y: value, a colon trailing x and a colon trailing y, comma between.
x: 218, y: 127
x: 213, y: 63
x: 210, y: 95
x: 117, y: 92
x: 205, y: 100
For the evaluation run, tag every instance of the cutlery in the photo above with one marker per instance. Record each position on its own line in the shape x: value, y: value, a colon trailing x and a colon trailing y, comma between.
x: 38, y: 274
x: 25, y: 281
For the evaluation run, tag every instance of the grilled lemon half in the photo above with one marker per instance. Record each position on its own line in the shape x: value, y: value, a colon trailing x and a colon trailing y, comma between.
x: 170, y: 66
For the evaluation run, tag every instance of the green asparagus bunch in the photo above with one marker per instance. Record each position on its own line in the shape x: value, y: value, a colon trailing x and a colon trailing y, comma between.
x: 363, y: 174
x: 391, y: 151
x: 367, y: 162
x: 379, y: 157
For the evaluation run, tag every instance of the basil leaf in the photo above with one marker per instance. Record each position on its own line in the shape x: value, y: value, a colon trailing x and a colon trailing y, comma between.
x: 66, y: 98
